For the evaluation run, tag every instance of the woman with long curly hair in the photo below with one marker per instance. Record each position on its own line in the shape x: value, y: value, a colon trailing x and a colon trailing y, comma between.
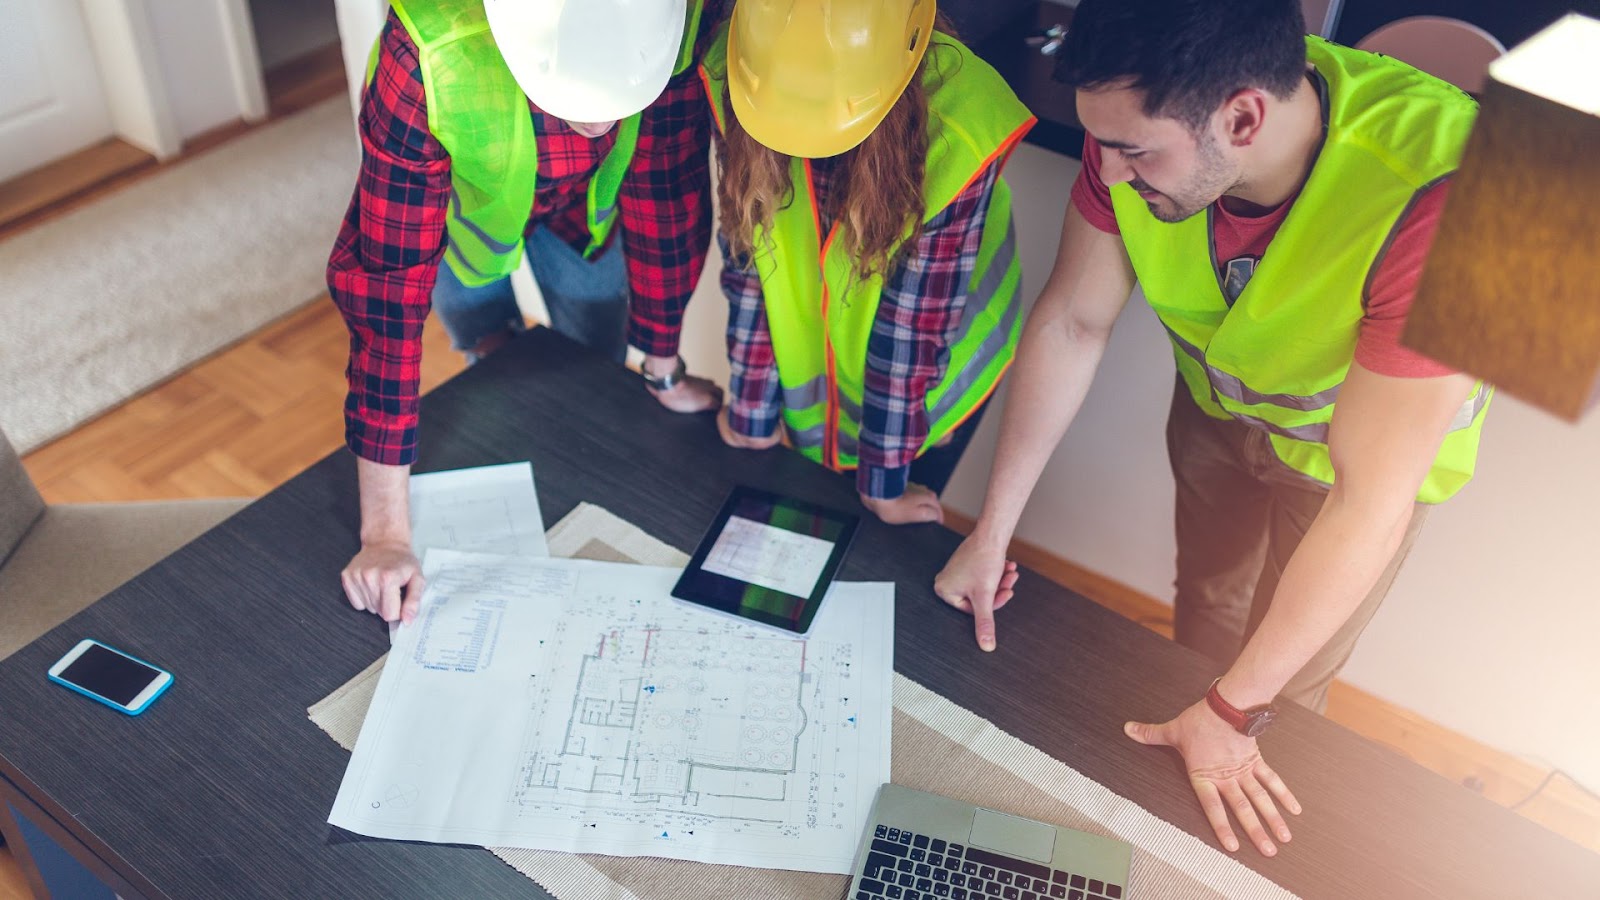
x: 869, y: 257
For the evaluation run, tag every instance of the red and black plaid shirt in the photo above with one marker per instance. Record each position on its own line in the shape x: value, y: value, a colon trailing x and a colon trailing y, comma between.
x: 382, y: 270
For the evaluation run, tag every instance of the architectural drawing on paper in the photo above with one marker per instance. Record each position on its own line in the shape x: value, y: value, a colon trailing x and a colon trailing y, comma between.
x: 573, y: 706
x: 694, y: 726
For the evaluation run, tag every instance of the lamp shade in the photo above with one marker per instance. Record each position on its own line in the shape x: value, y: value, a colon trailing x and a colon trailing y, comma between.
x: 1511, y: 290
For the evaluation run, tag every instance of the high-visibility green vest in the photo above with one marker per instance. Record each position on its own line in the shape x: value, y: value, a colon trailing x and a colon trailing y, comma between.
x: 1275, y: 361
x: 820, y: 312
x: 481, y: 117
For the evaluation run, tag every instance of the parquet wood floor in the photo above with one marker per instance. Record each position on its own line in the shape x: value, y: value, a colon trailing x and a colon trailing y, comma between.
x: 33, y: 192
x: 236, y: 424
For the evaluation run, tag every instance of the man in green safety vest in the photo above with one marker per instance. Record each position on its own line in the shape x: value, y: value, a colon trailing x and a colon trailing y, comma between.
x: 491, y: 128
x: 1275, y: 196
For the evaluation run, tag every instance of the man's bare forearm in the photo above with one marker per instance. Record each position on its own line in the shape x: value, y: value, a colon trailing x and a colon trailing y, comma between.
x: 1062, y: 343
x: 1055, y: 365
x: 1382, y: 442
x: 385, y: 503
x: 1341, y: 557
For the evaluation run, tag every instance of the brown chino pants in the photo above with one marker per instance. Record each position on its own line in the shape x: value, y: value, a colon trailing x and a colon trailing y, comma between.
x: 1240, y: 515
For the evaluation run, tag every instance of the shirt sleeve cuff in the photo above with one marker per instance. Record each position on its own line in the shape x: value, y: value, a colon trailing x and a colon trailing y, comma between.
x: 752, y: 420
x: 882, y: 484
x: 388, y: 447
x: 652, y: 341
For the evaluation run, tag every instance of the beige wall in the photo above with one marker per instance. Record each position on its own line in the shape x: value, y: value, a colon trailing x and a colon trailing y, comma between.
x: 1491, y: 628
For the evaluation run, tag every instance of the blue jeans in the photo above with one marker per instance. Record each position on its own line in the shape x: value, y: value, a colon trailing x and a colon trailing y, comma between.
x: 587, y: 299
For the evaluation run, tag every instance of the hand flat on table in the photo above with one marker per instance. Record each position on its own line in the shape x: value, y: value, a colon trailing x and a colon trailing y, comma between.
x: 1228, y: 776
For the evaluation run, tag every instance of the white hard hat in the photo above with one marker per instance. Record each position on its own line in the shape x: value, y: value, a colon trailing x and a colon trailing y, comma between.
x: 589, y: 60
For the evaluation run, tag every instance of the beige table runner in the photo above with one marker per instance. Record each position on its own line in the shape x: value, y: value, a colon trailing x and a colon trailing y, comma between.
x: 938, y: 747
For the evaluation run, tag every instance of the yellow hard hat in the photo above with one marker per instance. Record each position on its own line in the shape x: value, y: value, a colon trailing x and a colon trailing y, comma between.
x: 812, y: 78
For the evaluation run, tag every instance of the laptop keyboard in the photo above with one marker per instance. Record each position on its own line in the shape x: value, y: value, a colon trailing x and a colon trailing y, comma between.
x: 904, y: 865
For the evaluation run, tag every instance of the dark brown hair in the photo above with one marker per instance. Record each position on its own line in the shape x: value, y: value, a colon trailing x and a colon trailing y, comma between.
x: 1187, y: 56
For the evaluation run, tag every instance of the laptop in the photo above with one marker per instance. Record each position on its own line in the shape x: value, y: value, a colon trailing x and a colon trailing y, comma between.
x: 920, y: 846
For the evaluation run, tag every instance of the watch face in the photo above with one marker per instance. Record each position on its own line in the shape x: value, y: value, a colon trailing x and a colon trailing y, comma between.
x: 1258, y: 721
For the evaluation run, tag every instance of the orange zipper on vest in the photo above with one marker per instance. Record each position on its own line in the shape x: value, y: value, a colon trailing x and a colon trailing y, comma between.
x: 830, y: 430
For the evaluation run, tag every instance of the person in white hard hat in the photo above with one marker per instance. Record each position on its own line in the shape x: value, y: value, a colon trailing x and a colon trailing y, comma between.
x: 494, y: 127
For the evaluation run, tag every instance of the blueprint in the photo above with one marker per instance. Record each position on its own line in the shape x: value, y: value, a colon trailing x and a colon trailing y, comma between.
x: 573, y: 705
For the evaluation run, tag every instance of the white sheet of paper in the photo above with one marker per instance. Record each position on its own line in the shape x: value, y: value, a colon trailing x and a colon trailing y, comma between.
x: 756, y: 553
x: 488, y: 509
x: 573, y: 705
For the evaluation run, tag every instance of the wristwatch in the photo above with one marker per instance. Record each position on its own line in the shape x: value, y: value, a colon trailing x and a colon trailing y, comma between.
x: 664, y: 382
x: 1248, y: 722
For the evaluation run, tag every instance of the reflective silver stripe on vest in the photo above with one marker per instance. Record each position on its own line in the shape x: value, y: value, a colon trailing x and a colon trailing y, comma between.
x: 1317, y: 432
x: 812, y: 437
x: 493, y: 245
x: 1468, y: 413
x: 807, y: 395
x: 815, y: 391
x: 990, y: 348
x: 1230, y: 386
x: 985, y: 290
x: 454, y: 256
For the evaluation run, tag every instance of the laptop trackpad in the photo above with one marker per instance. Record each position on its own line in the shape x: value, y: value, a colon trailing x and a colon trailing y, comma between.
x: 1013, y: 836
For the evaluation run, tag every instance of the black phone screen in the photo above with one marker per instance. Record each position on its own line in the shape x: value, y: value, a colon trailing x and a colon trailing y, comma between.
x: 109, y: 674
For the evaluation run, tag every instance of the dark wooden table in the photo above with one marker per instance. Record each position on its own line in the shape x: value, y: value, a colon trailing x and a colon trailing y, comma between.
x: 223, y: 788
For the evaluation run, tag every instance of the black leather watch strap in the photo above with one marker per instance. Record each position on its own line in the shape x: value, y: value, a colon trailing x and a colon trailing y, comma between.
x: 1248, y: 722
x: 665, y: 382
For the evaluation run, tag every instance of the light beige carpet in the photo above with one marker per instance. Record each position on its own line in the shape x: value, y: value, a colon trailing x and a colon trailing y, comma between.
x: 114, y: 297
x: 938, y: 747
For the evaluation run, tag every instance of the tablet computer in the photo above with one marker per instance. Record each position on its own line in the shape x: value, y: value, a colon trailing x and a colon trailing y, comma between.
x: 768, y: 559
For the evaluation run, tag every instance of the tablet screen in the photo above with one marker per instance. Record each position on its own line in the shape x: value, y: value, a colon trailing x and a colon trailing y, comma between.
x: 768, y: 558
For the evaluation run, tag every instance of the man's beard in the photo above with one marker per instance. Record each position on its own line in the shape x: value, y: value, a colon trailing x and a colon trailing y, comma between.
x: 1211, y: 180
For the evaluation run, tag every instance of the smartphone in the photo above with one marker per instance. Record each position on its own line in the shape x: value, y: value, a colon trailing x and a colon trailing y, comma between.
x: 110, y: 676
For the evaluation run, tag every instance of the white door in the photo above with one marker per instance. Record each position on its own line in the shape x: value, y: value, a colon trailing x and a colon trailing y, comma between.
x: 51, y: 102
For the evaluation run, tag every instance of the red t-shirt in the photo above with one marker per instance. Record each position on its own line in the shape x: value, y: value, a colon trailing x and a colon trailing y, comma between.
x: 1394, y: 283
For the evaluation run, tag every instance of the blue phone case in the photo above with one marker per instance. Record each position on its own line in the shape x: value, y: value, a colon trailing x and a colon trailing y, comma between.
x: 116, y: 706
